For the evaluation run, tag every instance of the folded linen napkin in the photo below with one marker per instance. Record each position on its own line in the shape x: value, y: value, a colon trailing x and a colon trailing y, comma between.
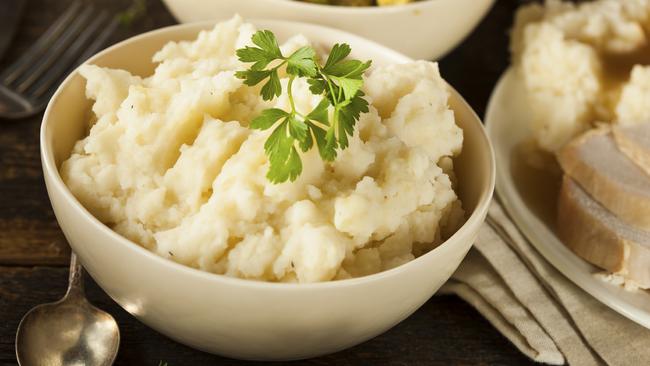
x: 540, y: 311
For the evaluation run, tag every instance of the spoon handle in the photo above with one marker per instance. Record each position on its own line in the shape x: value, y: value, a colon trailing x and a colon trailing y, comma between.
x: 76, y: 279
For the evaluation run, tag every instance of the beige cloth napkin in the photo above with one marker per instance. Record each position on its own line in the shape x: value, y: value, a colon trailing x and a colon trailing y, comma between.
x: 541, y: 312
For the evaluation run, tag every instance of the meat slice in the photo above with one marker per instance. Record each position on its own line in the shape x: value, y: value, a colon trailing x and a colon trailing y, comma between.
x: 600, y: 237
x: 634, y: 141
x: 609, y: 176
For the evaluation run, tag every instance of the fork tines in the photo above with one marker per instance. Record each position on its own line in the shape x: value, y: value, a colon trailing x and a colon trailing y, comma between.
x: 78, y: 33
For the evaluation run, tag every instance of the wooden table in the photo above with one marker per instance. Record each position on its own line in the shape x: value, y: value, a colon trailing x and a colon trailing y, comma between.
x: 34, y: 253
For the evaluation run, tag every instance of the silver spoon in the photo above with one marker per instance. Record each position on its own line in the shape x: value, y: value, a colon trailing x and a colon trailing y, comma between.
x: 68, y: 332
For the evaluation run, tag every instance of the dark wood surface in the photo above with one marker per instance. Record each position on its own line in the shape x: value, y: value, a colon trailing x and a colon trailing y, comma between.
x: 34, y: 253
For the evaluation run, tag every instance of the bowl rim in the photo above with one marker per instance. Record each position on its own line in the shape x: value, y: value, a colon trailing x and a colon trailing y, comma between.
x: 415, y: 6
x: 51, y: 171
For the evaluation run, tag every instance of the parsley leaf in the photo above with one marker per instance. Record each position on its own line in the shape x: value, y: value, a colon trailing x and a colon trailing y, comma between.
x: 353, y: 69
x: 283, y: 156
x: 317, y: 86
x: 320, y: 113
x: 308, y: 142
x: 350, y: 86
x: 302, y: 63
x: 348, y: 117
x: 326, y: 145
x: 267, y: 119
x: 297, y: 128
x: 328, y: 150
x: 339, y: 52
x: 252, y: 77
x: 266, y: 41
x: 263, y: 55
x: 348, y: 75
x: 272, y: 88
x: 254, y: 54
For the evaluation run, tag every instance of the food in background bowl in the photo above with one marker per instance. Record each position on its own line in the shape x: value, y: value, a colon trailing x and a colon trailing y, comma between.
x: 359, y: 2
x: 171, y: 163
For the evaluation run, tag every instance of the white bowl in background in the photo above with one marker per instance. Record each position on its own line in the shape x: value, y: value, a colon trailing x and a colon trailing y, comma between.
x: 424, y: 30
x: 242, y: 318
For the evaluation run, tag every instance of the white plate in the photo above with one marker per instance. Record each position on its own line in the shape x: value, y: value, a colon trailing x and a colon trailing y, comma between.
x: 507, y: 126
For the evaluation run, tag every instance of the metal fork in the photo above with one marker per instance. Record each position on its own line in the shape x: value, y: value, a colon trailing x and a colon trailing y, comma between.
x: 27, y: 85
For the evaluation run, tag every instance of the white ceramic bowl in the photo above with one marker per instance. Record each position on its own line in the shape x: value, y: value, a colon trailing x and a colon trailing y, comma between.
x: 422, y: 30
x: 241, y: 318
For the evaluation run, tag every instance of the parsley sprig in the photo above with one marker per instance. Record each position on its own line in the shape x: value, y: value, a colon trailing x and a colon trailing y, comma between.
x: 338, y: 81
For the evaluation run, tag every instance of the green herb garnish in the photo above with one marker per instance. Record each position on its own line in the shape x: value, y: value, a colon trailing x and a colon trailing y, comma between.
x: 339, y: 81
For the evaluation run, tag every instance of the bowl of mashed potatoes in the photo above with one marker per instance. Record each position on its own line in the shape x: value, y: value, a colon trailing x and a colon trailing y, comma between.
x: 159, y: 186
x: 425, y: 29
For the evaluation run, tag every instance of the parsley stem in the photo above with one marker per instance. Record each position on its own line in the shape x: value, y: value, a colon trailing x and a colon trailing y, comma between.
x: 335, y: 120
x: 329, y: 84
x: 335, y: 99
x: 290, y: 94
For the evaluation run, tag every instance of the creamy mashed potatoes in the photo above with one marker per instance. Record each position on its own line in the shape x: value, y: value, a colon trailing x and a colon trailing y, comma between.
x: 170, y: 163
x: 582, y: 64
